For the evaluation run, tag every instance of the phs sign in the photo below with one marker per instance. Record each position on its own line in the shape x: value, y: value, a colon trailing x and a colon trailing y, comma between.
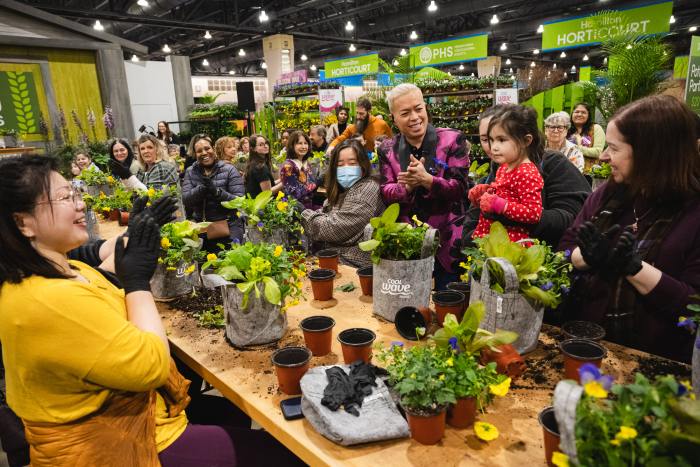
x: 352, y: 66
x: 464, y: 49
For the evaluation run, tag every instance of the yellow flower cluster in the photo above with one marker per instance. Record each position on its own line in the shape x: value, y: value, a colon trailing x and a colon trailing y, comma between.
x: 595, y: 389
x: 110, y: 180
x: 485, y: 431
x: 560, y: 459
x: 282, y: 206
x: 280, y: 195
x: 278, y: 251
x: 290, y: 304
x: 165, y: 243
x: 190, y: 269
x: 626, y: 433
x: 151, y: 192
x: 211, y: 257
x: 500, y: 389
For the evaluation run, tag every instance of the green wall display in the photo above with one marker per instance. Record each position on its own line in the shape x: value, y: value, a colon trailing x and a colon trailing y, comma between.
x: 592, y: 29
x: 352, y: 66
x: 563, y: 97
x: 584, y: 73
x: 680, y: 67
x: 692, y: 83
x: 463, y: 49
x: 19, y: 105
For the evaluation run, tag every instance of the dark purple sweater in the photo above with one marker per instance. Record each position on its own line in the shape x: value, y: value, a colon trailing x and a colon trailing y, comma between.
x: 679, y: 261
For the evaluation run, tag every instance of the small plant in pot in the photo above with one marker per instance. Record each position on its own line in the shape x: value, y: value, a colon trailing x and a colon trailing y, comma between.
x: 259, y: 282
x: 403, y: 257
x: 180, y: 249
x: 599, y: 173
x: 690, y: 323
x: 97, y: 181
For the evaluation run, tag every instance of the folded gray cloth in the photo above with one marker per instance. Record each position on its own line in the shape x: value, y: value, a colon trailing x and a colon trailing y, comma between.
x: 379, y: 417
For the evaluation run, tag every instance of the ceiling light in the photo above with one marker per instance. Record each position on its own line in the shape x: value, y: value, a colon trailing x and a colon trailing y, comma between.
x: 461, y: 67
x: 573, y: 68
x: 540, y: 29
x: 166, y: 49
x: 554, y: 67
x: 562, y: 54
x: 413, y: 36
x: 508, y: 62
x: 605, y: 60
x: 449, y: 74
x: 142, y: 3
x: 432, y: 7
x: 98, y: 26
x: 585, y: 58
x: 313, y: 67
x: 693, y: 28
x: 232, y: 72
x: 472, y: 75
x: 494, y: 19
x: 510, y: 70
x: 504, y: 46
x: 549, y: 73
x: 403, y: 52
x: 395, y: 62
x: 207, y: 35
x: 349, y: 26
x: 352, y: 48
x: 533, y: 65
x: 536, y: 52
x: 263, y: 65
x: 241, y: 53
x: 672, y: 19
x: 263, y: 16
x: 134, y: 58
x: 205, y: 62
x: 304, y: 57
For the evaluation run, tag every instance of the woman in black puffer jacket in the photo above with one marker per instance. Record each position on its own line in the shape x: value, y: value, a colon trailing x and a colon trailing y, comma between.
x: 207, y: 183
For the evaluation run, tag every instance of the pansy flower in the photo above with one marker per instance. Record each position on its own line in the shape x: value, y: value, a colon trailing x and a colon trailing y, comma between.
x: 500, y: 389
x: 687, y: 323
x: 453, y: 343
x: 594, y: 383
x: 547, y: 286
x: 396, y: 344
x: 560, y: 459
x: 485, y: 431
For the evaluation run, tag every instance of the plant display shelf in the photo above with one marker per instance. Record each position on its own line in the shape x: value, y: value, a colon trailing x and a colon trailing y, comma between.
x: 463, y: 92
x: 298, y: 94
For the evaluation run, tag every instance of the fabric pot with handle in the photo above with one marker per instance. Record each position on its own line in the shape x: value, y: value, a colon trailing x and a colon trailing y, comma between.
x: 597, y: 182
x: 167, y: 284
x: 397, y: 284
x: 92, y: 225
x: 94, y: 190
x: 256, y: 236
x: 510, y: 310
x: 567, y: 395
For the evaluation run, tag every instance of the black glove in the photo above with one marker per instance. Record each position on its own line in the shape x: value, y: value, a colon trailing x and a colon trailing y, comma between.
x: 209, y: 187
x: 119, y: 169
x: 136, y: 262
x: 623, y: 259
x: 162, y: 210
x: 595, y: 246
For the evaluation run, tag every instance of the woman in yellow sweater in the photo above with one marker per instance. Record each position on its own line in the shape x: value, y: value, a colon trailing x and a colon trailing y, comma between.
x: 87, y: 364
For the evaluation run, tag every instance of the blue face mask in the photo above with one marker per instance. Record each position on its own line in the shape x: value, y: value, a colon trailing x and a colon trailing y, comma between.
x: 348, y: 175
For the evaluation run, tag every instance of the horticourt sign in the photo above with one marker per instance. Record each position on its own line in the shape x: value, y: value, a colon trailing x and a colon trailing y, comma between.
x: 352, y: 66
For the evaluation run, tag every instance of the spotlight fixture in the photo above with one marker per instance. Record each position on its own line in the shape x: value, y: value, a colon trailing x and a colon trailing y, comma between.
x: 629, y: 46
x: 605, y: 60
x: 207, y: 36
x: 263, y: 65
x: 693, y: 28
x: 533, y: 65
x: 510, y: 70
x: 585, y: 58
x: 494, y: 19
x: 134, y: 58
x: 263, y: 16
x: 241, y: 53
x: 232, y: 72
x: 349, y: 26
x: 313, y: 67
x: 403, y: 52
x: 304, y: 57
x: 540, y: 29
x: 166, y: 49
x: 461, y: 67
x: 504, y: 46
x: 413, y: 36
x: 352, y: 48
x: 573, y: 68
x: 562, y: 54
x: 98, y: 26
x: 205, y: 62
x: 395, y: 62
x: 432, y: 7
x: 672, y: 19
x: 554, y: 67
x: 472, y: 75
x: 508, y: 61
x: 536, y: 52
x: 143, y: 3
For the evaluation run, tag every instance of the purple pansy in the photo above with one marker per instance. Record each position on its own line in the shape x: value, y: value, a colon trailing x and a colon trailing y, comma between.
x: 589, y: 372
x: 453, y: 343
x: 398, y: 344
x: 547, y: 286
x: 687, y: 323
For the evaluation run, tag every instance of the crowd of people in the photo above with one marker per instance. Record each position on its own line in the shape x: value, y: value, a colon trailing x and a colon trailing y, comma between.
x: 634, y: 244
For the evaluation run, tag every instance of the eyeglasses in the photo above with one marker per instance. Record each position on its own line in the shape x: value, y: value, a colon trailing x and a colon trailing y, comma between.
x: 74, y: 195
x: 262, y: 143
x: 555, y: 128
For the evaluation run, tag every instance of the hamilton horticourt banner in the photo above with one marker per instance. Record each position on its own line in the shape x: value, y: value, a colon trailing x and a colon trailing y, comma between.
x: 594, y: 29
x: 19, y: 105
x: 352, y: 66
x: 692, y: 83
x: 463, y: 49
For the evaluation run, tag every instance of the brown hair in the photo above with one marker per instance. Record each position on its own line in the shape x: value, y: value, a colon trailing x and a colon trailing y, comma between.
x: 663, y: 134
x: 255, y: 161
x: 519, y: 121
x: 293, y: 139
x: 365, y: 103
x: 333, y: 188
x: 220, y: 144
x: 161, y: 154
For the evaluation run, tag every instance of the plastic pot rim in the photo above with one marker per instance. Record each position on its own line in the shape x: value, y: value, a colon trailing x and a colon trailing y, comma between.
x: 332, y: 323
x: 356, y: 344
x: 588, y: 342
x: 362, y: 272
x: 327, y: 274
x: 459, y: 297
x: 295, y: 349
x: 328, y: 253
x: 544, y: 426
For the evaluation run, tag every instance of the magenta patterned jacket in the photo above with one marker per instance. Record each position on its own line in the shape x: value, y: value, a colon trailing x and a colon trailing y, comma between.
x: 446, y: 154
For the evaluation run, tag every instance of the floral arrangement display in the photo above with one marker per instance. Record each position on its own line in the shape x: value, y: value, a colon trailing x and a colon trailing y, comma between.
x: 601, y: 171
x: 268, y: 214
x: 180, y: 243
x: 643, y: 423
x: 462, y: 83
x: 454, y: 109
x: 120, y: 199
x: 395, y: 240
x: 271, y: 268
x: 94, y: 177
x: 298, y: 106
x: 299, y: 121
x: 470, y: 126
x: 543, y: 273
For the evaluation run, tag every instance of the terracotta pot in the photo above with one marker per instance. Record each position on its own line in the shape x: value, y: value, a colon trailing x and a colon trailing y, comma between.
x: 448, y: 301
x: 290, y: 365
x: 365, y: 275
x: 550, y: 429
x: 409, y: 318
x: 123, y: 218
x: 427, y: 430
x: 322, y: 283
x: 461, y: 287
x: 463, y: 413
x: 508, y: 360
x: 582, y: 330
x: 356, y: 344
x: 328, y: 259
x: 318, y: 334
x: 114, y: 215
x: 579, y: 351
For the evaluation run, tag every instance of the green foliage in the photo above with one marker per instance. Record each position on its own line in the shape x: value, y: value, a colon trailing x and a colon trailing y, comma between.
x: 542, y: 273
x: 212, y: 318
x: 349, y: 287
x: 209, y: 98
x: 467, y: 378
x: 121, y: 198
x: 477, y: 172
x: 180, y: 243
x: 601, y: 170
x: 265, y: 266
x: 267, y: 214
x: 395, y: 240
x: 93, y: 177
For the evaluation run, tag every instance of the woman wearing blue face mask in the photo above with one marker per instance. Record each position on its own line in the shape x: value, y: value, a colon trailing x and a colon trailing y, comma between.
x: 353, y: 198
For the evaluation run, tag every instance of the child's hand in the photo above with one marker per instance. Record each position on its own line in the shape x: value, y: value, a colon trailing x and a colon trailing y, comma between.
x: 492, y: 203
x: 476, y: 192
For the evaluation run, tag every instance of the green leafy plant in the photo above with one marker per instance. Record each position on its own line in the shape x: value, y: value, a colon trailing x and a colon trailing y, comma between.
x: 270, y: 267
x: 601, y: 170
x: 467, y: 378
x: 395, y: 240
x: 477, y: 172
x: 268, y: 214
x: 212, y: 317
x: 543, y: 274
x: 180, y: 243
x: 93, y: 177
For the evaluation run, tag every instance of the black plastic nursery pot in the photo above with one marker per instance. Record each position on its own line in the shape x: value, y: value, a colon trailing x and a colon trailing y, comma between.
x: 322, y: 283
x: 448, y: 301
x: 582, y: 330
x: 550, y: 429
x: 328, y: 259
x: 409, y: 318
x: 318, y: 334
x: 365, y: 274
x: 290, y: 364
x: 356, y: 344
x: 579, y: 351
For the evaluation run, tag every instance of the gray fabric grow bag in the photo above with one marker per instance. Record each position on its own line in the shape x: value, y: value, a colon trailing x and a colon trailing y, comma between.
x: 167, y: 284
x: 94, y: 190
x: 255, y: 236
x: 397, y: 284
x: 567, y: 394
x: 92, y: 224
x: 260, y: 323
x: 509, y: 311
x: 379, y: 418
x: 696, y: 368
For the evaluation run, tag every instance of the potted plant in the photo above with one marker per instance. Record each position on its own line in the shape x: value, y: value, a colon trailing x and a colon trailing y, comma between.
x: 690, y: 323
x: 180, y: 249
x: 403, y: 257
x: 647, y: 422
x: 418, y: 376
x: 599, y: 173
x: 517, y: 283
x: 121, y: 202
x: 259, y: 282
x: 97, y: 181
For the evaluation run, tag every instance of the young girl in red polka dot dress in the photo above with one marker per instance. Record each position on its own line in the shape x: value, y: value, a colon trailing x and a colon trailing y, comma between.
x: 516, y: 194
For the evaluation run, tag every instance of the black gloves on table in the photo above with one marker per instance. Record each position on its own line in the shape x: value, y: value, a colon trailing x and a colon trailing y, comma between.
x: 119, y: 169
x: 162, y: 210
x: 595, y: 246
x: 136, y: 262
x: 348, y: 390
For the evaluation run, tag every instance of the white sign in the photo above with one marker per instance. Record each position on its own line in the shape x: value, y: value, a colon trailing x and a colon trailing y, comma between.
x: 506, y: 96
x: 328, y: 100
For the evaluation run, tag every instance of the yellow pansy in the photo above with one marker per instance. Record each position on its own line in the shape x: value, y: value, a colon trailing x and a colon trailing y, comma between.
x: 560, y: 459
x: 151, y: 192
x: 687, y: 385
x: 106, y: 209
x: 449, y: 362
x: 211, y: 257
x: 595, y: 389
x: 500, y: 389
x: 280, y: 195
x: 301, y: 229
x: 102, y: 195
x: 442, y: 378
x: 416, y: 220
x: 413, y: 376
x: 615, y: 442
x: 282, y: 206
x: 110, y: 179
x: 626, y: 433
x: 165, y: 242
x: 278, y: 250
x: 190, y: 269
x: 485, y: 431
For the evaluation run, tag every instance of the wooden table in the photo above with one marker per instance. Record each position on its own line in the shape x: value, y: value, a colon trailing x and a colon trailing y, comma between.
x: 247, y: 378
x: 6, y: 152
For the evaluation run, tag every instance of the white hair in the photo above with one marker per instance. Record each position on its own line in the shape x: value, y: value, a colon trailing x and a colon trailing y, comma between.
x: 401, y: 90
x: 558, y: 118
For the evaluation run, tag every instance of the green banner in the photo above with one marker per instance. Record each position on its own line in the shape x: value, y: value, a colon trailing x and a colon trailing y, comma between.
x: 19, y: 105
x: 464, y: 49
x: 352, y: 66
x: 692, y: 84
x: 680, y: 67
x: 584, y: 73
x: 593, y: 29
